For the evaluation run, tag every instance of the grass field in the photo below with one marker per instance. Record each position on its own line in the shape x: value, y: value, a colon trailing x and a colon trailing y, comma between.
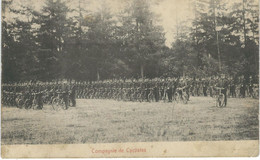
x: 105, y: 121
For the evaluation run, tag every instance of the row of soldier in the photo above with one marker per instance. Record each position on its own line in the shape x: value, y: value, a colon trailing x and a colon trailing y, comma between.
x: 36, y: 95
x: 164, y: 89
x: 127, y: 90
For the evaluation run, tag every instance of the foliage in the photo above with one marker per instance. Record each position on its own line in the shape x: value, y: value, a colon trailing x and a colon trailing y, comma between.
x: 59, y: 42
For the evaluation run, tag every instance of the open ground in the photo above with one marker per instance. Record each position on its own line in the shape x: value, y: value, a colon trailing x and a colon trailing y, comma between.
x: 108, y: 121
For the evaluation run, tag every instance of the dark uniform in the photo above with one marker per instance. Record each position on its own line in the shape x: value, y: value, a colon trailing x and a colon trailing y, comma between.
x: 156, y: 93
x: 242, y: 91
x: 73, y: 96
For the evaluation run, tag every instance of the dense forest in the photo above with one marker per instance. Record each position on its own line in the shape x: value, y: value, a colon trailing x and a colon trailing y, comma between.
x: 61, y: 42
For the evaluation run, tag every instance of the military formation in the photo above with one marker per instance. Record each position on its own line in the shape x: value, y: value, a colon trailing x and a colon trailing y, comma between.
x: 34, y: 95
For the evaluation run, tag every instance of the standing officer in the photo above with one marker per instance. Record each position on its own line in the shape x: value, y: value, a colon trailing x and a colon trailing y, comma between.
x: 72, y: 95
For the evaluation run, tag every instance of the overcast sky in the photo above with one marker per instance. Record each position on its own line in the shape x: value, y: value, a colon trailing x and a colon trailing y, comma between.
x: 170, y: 11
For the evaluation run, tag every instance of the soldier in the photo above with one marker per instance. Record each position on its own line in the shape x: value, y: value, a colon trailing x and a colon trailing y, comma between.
x: 205, y: 88
x: 65, y: 94
x: 39, y: 99
x: 222, y: 86
x: 169, y: 92
x: 72, y: 95
x: 250, y: 89
x: 147, y: 91
x: 242, y: 91
x: 233, y: 89
x: 156, y: 93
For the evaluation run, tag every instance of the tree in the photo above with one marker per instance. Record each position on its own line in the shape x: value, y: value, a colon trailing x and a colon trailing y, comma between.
x: 101, y: 37
x: 19, y: 44
x: 51, y: 36
x: 212, y: 32
x: 67, y: 41
x: 183, y: 58
x: 245, y: 24
x: 143, y: 39
x: 9, y: 65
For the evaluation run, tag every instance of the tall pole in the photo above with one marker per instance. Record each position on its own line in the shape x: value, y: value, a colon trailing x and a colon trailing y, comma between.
x: 247, y: 67
x: 244, y: 21
x: 196, y: 38
x: 219, y: 58
x: 217, y: 35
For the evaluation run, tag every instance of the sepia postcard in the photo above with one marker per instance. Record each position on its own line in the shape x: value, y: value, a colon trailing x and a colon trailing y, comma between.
x: 129, y: 78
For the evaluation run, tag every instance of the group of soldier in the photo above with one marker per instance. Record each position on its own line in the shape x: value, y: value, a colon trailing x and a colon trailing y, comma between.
x: 35, y: 95
x: 167, y: 89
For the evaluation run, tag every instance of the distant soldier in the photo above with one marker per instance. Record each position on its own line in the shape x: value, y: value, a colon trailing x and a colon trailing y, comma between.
x: 39, y: 99
x: 242, y: 91
x: 169, y: 93
x: 72, y: 95
x: 250, y: 89
x: 222, y: 86
x: 65, y: 95
x: 147, y: 91
x: 205, y: 88
x: 156, y: 93
x: 233, y: 90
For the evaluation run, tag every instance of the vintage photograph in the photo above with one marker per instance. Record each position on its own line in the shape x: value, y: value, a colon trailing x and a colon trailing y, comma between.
x: 119, y: 71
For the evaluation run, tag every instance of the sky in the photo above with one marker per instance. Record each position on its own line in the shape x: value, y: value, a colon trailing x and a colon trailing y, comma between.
x: 171, y: 12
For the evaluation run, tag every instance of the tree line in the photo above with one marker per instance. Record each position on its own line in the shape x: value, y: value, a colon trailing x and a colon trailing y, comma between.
x: 59, y: 42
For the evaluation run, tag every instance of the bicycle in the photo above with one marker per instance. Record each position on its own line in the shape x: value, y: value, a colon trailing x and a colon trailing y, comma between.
x: 255, y: 93
x: 19, y: 101
x: 28, y: 103
x: 59, y: 103
x: 150, y: 95
x: 185, y: 97
x: 181, y: 96
x: 220, y: 99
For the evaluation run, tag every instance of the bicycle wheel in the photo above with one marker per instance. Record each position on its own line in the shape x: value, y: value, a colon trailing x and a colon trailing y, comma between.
x: 149, y: 97
x: 177, y: 97
x: 34, y: 104
x: 255, y: 94
x: 70, y: 104
x: 139, y: 97
x: 185, y: 98
x: 27, y: 104
x: 220, y: 100
x: 55, y: 104
x: 63, y: 105
x: 20, y: 103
